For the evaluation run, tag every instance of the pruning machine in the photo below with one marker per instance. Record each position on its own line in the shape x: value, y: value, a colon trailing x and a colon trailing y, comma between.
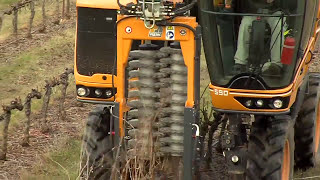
x: 140, y: 60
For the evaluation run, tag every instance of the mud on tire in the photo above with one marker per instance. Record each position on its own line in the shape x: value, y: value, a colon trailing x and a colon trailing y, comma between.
x: 268, y: 138
x: 306, y: 125
x: 96, y: 162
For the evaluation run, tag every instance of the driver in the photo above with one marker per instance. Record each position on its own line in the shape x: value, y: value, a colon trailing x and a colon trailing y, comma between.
x: 273, y: 67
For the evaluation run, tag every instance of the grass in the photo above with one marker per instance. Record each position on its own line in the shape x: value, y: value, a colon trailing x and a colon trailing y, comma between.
x: 5, y: 3
x: 29, y: 70
x: 31, y: 67
x: 204, y: 79
x: 23, y: 17
x: 58, y: 164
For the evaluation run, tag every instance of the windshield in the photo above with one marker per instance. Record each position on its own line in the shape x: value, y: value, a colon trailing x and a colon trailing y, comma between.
x: 252, y: 44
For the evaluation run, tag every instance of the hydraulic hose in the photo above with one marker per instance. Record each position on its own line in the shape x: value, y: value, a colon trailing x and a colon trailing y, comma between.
x: 185, y: 8
x: 120, y: 5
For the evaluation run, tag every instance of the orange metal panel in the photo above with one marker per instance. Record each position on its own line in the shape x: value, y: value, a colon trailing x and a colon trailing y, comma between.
x: 133, y: 29
x: 227, y: 101
x: 277, y: 91
x: 102, y: 4
x: 96, y: 99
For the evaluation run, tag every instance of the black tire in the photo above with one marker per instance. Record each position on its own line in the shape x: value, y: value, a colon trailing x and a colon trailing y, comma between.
x: 97, y: 155
x: 268, y: 138
x: 305, y: 128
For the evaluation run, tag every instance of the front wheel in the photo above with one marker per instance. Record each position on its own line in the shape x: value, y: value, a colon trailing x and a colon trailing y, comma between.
x: 97, y: 155
x: 307, y: 127
x: 271, y: 149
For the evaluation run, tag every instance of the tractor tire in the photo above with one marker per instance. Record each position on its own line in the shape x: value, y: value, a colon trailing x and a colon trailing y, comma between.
x: 271, y: 149
x: 307, y: 128
x: 97, y: 155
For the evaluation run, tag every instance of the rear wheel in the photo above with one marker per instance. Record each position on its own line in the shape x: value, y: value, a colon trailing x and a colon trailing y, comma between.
x: 271, y: 149
x: 97, y: 156
x: 307, y: 127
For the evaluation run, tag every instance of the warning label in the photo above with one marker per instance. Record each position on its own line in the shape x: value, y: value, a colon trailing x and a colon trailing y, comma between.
x: 156, y: 32
x: 170, y: 33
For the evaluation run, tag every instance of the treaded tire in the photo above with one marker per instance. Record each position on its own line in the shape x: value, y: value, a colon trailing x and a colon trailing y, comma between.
x: 268, y: 138
x: 97, y: 156
x: 305, y: 128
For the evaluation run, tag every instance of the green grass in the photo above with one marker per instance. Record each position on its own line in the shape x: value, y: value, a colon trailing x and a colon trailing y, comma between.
x: 29, y: 70
x: 5, y: 3
x: 23, y: 17
x: 58, y: 164
x: 204, y: 81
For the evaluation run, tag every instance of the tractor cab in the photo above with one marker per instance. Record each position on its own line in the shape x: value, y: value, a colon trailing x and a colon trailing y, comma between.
x: 255, y: 44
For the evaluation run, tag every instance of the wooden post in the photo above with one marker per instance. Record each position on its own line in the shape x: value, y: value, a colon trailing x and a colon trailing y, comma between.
x: 32, y: 13
x: 16, y: 104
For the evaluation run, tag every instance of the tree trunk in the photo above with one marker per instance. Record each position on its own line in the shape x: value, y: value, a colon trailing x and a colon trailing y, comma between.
x: 26, y: 135
x: 62, y: 112
x: 68, y: 9
x: 4, y: 137
x: 32, y: 11
x: 1, y: 20
x: 46, y: 99
x: 27, y: 106
x: 63, y: 8
x: 57, y: 21
x: 44, y: 17
x: 15, y: 22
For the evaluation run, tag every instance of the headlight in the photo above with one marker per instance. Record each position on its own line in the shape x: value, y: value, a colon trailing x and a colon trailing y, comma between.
x: 108, y: 93
x: 83, y: 91
x: 259, y: 103
x: 278, y: 103
x: 98, y: 92
x: 248, y: 103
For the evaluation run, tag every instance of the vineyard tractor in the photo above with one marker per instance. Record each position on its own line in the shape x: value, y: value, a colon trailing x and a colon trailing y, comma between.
x: 258, y: 54
x: 139, y: 60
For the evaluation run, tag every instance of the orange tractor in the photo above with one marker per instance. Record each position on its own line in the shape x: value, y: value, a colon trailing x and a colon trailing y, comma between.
x: 140, y: 60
